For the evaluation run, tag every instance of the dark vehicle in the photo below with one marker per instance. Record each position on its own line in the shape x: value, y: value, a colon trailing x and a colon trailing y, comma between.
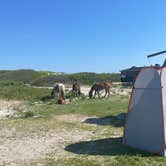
x: 128, y: 76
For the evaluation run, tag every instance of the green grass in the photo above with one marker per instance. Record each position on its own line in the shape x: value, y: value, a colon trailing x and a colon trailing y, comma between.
x: 90, y: 107
x: 18, y: 91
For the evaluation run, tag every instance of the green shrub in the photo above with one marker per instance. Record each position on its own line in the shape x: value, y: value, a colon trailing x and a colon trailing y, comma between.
x: 28, y: 114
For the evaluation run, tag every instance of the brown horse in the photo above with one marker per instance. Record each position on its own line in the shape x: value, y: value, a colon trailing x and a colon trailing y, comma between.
x: 97, y: 87
x: 76, y: 89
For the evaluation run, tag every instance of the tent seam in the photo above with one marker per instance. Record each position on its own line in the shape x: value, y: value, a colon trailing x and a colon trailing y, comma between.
x: 164, y: 145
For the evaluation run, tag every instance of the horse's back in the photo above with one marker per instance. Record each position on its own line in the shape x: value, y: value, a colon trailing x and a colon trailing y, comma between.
x: 60, y: 88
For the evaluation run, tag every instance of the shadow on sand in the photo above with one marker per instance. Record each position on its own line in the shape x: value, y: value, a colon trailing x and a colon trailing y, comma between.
x: 116, y: 121
x: 110, y: 146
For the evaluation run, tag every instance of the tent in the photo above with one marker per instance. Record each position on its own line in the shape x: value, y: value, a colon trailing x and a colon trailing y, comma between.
x: 145, y: 126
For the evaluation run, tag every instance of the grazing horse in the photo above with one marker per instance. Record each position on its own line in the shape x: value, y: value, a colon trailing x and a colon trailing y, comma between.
x: 59, y: 89
x: 76, y: 89
x: 97, y: 87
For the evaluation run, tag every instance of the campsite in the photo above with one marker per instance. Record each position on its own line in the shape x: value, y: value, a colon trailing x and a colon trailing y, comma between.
x: 35, y: 130
x: 82, y: 83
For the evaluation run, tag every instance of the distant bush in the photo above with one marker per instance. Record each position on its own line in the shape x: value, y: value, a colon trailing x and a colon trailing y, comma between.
x: 83, y: 78
x: 24, y: 76
x: 10, y: 83
x: 44, y: 78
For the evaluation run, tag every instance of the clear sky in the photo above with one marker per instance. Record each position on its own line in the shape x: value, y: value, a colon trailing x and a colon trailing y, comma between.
x: 81, y: 35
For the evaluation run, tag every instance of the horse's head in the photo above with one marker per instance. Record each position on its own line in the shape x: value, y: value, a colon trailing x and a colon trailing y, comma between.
x: 53, y: 93
x: 91, y: 93
x: 61, y: 101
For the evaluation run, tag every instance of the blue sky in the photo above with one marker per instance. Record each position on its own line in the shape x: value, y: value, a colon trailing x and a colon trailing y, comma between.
x: 81, y: 35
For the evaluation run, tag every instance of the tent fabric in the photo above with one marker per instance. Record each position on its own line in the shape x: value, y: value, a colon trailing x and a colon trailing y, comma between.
x: 145, y: 126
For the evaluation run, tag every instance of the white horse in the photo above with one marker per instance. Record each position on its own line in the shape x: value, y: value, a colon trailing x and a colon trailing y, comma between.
x: 59, y: 89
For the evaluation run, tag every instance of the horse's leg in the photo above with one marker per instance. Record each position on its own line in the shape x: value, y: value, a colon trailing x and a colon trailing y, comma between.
x: 62, y: 94
x: 105, y: 93
x: 95, y: 94
x: 74, y: 93
x: 109, y: 93
x: 79, y: 92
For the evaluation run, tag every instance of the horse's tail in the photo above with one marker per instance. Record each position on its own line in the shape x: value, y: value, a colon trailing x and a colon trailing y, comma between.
x: 79, y: 92
x: 108, y: 87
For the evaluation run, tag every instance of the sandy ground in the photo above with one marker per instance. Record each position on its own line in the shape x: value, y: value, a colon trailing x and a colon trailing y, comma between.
x: 20, y: 149
x: 16, y: 149
x: 7, y: 108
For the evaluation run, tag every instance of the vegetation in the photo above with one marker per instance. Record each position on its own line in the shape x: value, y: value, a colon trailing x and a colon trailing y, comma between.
x: 103, y: 120
x: 24, y: 76
x: 45, y: 78
x: 83, y: 78
x: 19, y: 91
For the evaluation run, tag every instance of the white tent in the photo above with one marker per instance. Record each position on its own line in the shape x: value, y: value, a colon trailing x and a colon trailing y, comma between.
x: 145, y: 126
